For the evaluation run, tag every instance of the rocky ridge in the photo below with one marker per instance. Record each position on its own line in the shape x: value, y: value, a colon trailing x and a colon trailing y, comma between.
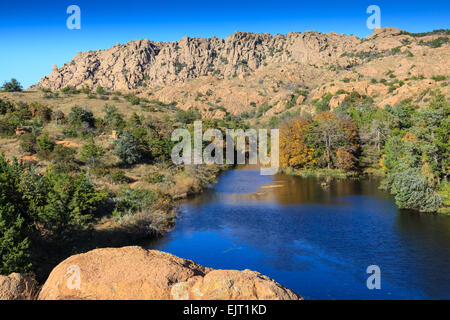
x: 246, y: 70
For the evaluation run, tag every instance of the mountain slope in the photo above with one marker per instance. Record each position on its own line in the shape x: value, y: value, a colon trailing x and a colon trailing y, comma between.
x: 247, y: 69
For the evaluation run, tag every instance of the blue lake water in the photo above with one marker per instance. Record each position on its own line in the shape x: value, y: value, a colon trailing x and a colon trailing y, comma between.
x: 316, y: 241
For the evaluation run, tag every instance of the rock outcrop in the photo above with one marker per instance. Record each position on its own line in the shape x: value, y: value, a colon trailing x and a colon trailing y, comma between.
x: 17, y: 287
x: 148, y: 63
x: 136, y: 273
x: 247, y: 71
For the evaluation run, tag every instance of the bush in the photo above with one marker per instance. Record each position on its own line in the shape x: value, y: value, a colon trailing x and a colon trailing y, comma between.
x: 86, y: 90
x: 81, y: 121
x: 59, y: 203
x: 118, y: 177
x: 155, y: 177
x: 436, y: 43
x: 45, y: 143
x: 91, y: 154
x: 78, y: 116
x: 64, y: 159
x: 71, y: 201
x: 41, y: 112
x: 439, y: 78
x: 28, y: 143
x: 131, y: 98
x: 323, y: 105
x: 188, y: 116
x: 113, y: 118
x: 6, y: 106
x: 70, y: 90
x: 412, y: 191
x: 100, y: 90
x: 129, y: 200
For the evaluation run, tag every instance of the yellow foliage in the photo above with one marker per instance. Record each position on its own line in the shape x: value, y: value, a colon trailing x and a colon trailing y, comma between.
x: 294, y: 152
x: 409, y: 137
x: 382, y: 163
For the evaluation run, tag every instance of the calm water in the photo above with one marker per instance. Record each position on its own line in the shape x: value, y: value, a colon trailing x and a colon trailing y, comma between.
x: 316, y: 242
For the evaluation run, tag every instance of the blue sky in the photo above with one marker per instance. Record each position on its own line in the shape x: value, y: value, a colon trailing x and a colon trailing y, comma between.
x: 34, y: 35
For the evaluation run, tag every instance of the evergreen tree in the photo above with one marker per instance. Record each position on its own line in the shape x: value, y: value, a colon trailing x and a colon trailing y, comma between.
x: 14, y: 230
x: 127, y: 149
x: 12, y: 86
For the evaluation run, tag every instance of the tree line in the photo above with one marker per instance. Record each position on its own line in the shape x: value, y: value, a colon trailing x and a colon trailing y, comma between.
x: 410, y: 145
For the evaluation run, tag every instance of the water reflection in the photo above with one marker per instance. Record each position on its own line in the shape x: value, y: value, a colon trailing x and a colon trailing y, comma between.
x: 317, y: 241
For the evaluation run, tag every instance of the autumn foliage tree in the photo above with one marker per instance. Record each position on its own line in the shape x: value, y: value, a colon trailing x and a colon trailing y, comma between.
x: 294, y: 150
x: 325, y: 141
x: 331, y: 133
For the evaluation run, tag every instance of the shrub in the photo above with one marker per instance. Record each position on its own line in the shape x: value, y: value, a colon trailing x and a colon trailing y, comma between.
x: 341, y: 91
x: 64, y: 159
x: 100, y: 90
x: 323, y: 105
x: 70, y: 201
x: 439, y: 78
x: 129, y: 200
x: 118, y: 177
x: 436, y: 43
x: 45, y: 143
x: 78, y: 116
x: 113, y: 118
x: 131, y: 98
x: 412, y: 191
x: 70, y: 90
x: 154, y: 177
x: 188, y: 116
x: 6, y: 106
x: 91, y: 154
x: 28, y: 143
x: 85, y: 90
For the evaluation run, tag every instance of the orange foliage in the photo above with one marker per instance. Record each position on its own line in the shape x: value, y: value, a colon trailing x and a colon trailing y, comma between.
x: 345, y: 160
x: 294, y: 152
x: 409, y: 137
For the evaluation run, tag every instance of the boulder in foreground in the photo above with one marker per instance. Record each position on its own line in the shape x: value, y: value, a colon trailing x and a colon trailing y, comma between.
x: 135, y: 273
x: 17, y: 287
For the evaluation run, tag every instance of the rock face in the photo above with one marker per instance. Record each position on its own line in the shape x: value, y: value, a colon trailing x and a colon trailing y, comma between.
x: 17, y: 287
x: 135, y: 273
x: 148, y: 63
x: 245, y: 71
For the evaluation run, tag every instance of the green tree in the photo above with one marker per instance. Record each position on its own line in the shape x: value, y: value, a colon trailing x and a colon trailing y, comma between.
x: 6, y: 106
x: 127, y: 149
x: 91, y: 153
x: 45, y: 143
x: 14, y: 228
x: 70, y: 202
x: 78, y: 116
x: 12, y: 86
x: 113, y: 118
x: 100, y: 90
